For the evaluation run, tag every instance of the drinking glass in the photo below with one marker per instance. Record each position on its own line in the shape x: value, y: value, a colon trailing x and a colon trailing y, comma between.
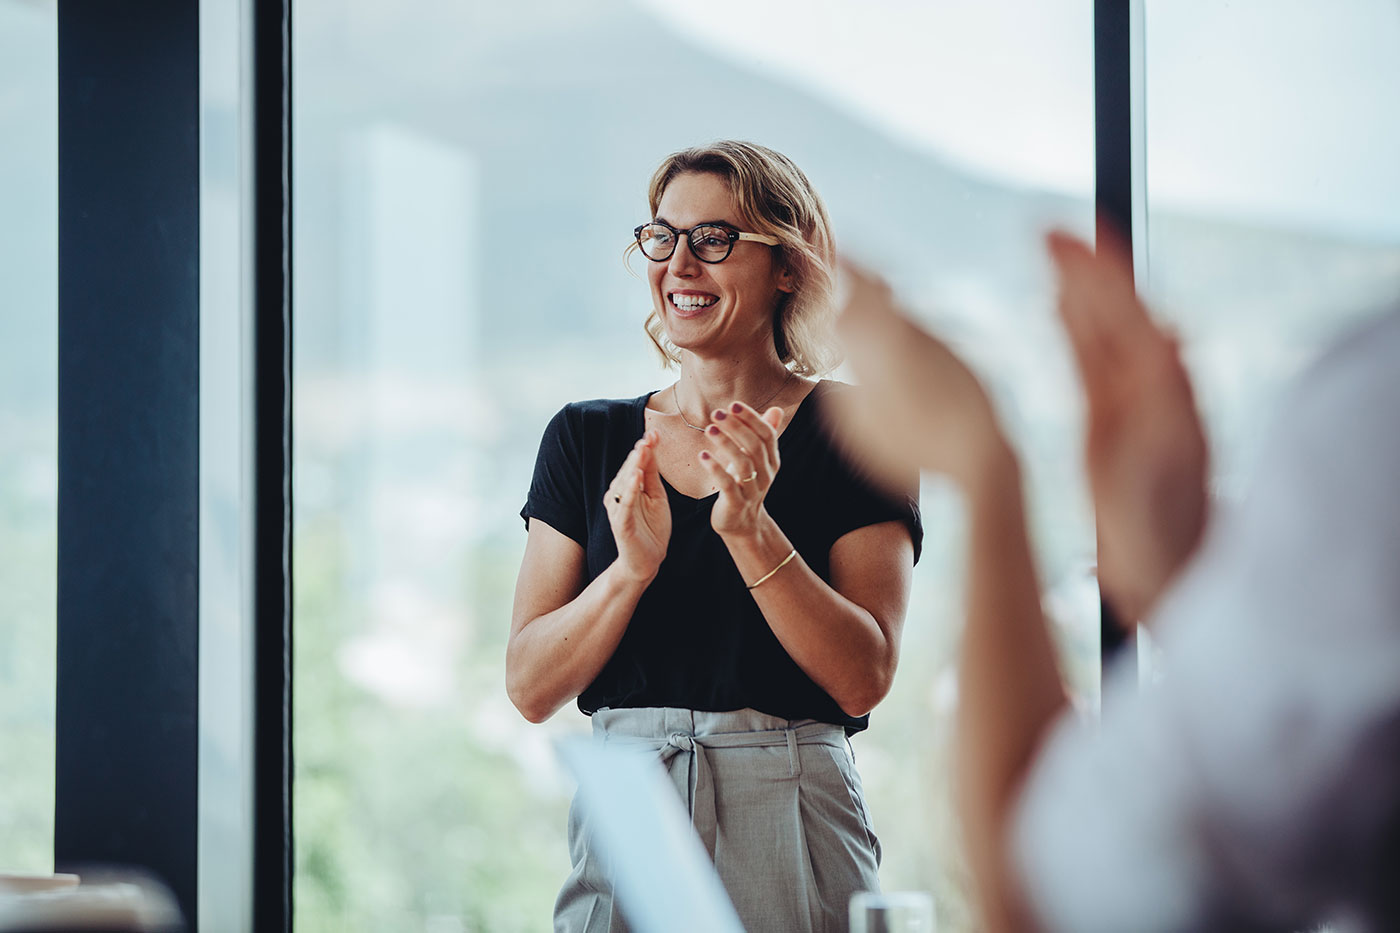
x: 896, y: 912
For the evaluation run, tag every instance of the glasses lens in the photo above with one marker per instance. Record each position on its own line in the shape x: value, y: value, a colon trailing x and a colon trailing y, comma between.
x: 656, y: 241
x: 710, y: 243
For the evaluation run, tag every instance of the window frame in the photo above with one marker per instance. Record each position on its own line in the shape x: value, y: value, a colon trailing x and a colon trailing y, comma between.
x: 128, y: 693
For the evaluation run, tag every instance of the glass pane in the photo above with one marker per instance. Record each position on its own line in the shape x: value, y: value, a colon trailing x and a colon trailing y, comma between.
x: 431, y: 350
x: 28, y: 429
x: 1273, y: 199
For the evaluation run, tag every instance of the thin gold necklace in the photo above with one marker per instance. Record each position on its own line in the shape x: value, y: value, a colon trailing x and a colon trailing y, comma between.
x: 758, y: 408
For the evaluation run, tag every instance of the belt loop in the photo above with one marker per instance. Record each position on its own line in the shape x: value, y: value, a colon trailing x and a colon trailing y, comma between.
x: 794, y: 763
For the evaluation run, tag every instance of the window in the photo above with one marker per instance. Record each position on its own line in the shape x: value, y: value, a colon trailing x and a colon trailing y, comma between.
x: 466, y: 179
x: 1273, y: 204
x: 28, y: 430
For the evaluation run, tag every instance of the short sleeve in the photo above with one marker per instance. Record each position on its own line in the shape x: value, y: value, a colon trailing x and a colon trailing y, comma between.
x: 857, y: 502
x: 556, y: 489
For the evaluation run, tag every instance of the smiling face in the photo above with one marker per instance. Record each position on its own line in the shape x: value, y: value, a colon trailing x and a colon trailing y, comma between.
x: 715, y: 309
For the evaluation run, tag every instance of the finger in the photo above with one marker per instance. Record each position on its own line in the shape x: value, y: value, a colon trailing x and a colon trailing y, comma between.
x: 613, y: 494
x: 773, y: 417
x: 1110, y: 242
x: 740, y: 413
x: 1078, y: 281
x: 729, y: 453
x: 1102, y: 279
x: 651, y: 470
x: 1080, y: 305
x: 631, y: 490
x: 630, y: 459
x: 721, y: 477
x: 756, y: 447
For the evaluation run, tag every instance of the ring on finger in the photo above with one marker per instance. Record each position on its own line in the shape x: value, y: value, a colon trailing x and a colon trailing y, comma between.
x: 617, y: 498
x: 750, y: 478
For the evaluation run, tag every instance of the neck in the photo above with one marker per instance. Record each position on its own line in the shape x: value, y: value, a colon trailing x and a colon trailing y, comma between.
x: 705, y: 385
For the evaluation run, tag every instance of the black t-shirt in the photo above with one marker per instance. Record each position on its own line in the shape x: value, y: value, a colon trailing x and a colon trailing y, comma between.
x: 697, y: 639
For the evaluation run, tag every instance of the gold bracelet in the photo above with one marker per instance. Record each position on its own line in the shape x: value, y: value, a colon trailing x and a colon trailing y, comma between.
x: 791, y: 555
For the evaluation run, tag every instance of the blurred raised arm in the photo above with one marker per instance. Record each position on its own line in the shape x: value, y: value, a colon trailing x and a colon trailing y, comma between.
x: 920, y: 406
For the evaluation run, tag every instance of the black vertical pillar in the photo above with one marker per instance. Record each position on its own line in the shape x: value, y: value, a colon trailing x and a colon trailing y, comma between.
x: 272, y: 534
x: 128, y: 442
x: 1113, y: 188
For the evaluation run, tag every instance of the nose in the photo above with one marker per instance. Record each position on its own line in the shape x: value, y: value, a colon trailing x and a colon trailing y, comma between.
x: 683, y: 264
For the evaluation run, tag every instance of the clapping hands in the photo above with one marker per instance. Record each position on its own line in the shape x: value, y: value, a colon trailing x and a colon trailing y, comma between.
x: 922, y: 408
x: 919, y: 406
x: 638, y: 511
x: 1146, y: 452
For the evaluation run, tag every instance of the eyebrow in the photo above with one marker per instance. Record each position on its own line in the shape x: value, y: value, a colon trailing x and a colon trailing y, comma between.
x: 713, y: 223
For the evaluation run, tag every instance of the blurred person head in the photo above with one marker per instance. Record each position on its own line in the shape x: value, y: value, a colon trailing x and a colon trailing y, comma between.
x: 773, y: 286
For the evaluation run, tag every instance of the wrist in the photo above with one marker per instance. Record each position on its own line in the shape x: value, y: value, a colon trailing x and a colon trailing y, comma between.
x: 755, y: 538
x: 626, y: 578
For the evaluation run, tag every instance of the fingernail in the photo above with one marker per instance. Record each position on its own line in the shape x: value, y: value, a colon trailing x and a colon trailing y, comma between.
x: 719, y: 414
x: 736, y: 407
x: 712, y: 431
x: 704, y: 455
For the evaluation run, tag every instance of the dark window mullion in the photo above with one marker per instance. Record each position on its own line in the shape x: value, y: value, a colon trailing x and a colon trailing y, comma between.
x: 272, y: 535
x: 126, y: 762
x: 1113, y: 189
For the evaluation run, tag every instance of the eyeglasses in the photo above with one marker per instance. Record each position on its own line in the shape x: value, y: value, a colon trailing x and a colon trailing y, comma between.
x: 708, y: 242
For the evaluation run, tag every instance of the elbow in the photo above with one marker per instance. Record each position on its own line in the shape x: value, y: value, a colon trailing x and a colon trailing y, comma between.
x: 868, y: 680
x: 529, y: 706
x: 860, y: 698
x: 535, y: 715
x: 525, y: 697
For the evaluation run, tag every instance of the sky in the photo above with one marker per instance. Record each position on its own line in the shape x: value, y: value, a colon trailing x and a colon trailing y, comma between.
x: 1275, y: 110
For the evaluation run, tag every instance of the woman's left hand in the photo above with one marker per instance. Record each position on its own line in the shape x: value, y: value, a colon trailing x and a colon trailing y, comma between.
x: 742, y: 462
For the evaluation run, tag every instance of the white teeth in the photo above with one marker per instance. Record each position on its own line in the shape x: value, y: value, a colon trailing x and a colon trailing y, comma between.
x: 690, y: 302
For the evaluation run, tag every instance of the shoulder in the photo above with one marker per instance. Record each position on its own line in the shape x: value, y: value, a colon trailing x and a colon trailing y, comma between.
x: 591, y: 415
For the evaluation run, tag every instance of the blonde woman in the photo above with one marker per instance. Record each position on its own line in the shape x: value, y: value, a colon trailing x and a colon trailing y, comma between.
x: 704, y: 573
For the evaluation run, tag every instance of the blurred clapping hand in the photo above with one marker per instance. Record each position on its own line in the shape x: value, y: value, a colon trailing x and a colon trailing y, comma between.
x: 921, y: 408
x: 1146, y: 453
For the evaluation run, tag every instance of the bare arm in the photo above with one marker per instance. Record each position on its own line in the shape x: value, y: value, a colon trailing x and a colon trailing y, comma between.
x: 563, y: 632
x: 1005, y: 643
x: 845, y: 635
x: 921, y: 407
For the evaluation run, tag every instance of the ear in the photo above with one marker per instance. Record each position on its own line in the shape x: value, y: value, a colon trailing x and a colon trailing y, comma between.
x: 787, y: 280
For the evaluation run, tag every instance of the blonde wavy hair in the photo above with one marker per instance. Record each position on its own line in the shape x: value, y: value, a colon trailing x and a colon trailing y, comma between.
x: 773, y: 197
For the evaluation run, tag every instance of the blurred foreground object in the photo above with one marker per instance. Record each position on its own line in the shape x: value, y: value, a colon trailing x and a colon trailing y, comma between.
x: 892, y: 912
x: 99, y: 902
x: 919, y: 407
x: 665, y: 881
x: 1258, y: 785
x: 1145, y: 449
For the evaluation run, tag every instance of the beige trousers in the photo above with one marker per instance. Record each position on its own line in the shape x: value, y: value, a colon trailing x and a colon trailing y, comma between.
x: 776, y: 802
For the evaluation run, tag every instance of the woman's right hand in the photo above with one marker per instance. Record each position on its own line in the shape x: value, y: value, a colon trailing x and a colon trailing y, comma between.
x: 639, y: 512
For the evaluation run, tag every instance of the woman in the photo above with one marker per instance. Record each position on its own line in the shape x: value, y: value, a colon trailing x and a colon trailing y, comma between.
x: 704, y: 573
